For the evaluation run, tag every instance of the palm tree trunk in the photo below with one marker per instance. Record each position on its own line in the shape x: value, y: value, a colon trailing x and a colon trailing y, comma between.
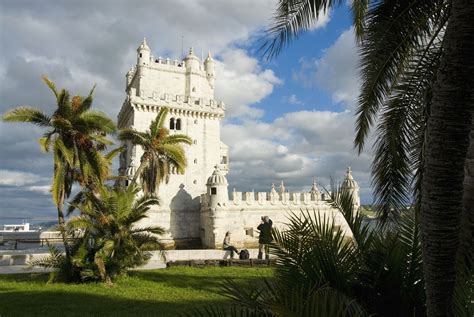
x: 61, y: 223
x: 466, y: 251
x: 447, y: 144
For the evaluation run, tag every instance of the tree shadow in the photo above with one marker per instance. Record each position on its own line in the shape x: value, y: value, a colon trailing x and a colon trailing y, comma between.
x: 57, y: 303
x: 141, y: 293
x: 185, y: 219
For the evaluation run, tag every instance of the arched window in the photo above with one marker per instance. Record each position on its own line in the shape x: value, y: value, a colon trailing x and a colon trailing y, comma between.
x: 178, y: 124
x: 172, y: 124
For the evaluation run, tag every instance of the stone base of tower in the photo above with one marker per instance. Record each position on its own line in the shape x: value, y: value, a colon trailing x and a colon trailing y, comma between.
x: 181, y: 226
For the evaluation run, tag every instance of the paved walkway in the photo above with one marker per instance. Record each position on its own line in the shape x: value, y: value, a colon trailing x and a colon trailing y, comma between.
x: 14, y: 262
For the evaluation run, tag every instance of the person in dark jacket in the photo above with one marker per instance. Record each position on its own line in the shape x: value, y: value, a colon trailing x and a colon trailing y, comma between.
x: 227, y: 246
x: 265, y: 237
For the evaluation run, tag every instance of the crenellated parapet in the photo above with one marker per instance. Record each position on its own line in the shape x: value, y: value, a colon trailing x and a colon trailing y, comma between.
x: 260, y: 199
x: 273, y: 199
x: 177, y: 104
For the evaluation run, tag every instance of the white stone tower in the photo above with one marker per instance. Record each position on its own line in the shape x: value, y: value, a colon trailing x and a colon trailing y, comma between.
x: 187, y: 88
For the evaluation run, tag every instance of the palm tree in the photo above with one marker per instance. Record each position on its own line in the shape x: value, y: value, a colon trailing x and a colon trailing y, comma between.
x: 319, y: 271
x: 75, y: 136
x: 108, y: 239
x: 162, y: 152
x: 416, y: 61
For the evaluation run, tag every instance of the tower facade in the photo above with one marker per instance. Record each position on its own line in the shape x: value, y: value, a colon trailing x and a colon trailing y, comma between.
x: 186, y: 88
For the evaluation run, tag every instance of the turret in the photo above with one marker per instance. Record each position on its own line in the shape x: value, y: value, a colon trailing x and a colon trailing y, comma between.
x: 129, y: 77
x: 314, y: 192
x: 352, y: 187
x: 210, y: 69
x: 143, y: 54
x: 217, y: 189
x: 192, y: 61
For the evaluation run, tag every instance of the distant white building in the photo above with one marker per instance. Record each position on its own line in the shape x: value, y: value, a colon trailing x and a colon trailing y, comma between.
x: 195, y: 207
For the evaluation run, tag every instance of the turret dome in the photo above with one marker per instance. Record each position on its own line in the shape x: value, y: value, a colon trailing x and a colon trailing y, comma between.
x: 349, y: 181
x: 143, y: 46
x: 209, y: 58
x: 191, y: 55
x: 217, y: 178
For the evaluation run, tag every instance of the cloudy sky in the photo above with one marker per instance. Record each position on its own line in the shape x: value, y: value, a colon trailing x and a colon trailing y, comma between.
x: 290, y: 118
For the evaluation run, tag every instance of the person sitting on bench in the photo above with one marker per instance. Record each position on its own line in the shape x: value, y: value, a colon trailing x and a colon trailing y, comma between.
x: 227, y: 246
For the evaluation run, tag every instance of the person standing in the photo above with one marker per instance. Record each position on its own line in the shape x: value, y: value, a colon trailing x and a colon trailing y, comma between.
x: 227, y: 246
x: 265, y: 237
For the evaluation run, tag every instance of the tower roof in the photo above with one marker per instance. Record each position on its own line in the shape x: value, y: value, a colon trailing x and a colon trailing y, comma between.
x: 349, y: 181
x: 143, y: 46
x: 217, y: 178
x: 208, y: 58
x: 314, y: 188
x: 191, y: 55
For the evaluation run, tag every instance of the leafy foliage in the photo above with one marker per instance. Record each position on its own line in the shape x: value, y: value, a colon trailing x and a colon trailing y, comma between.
x: 75, y: 136
x: 162, y: 152
x: 107, y: 237
x: 320, y: 271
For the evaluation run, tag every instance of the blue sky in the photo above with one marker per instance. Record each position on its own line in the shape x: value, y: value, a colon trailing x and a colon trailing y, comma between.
x: 311, y: 45
x: 290, y: 118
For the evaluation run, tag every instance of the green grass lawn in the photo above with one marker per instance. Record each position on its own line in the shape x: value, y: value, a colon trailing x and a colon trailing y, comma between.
x: 167, y: 292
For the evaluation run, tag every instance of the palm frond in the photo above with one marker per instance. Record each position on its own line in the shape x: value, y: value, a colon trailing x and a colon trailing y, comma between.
x: 87, y: 102
x: 45, y: 142
x: 64, y: 109
x: 178, y: 139
x: 98, y: 121
x: 27, y: 114
x: 51, y: 85
x: 291, y: 19
x: 400, y: 134
x: 359, y: 10
x: 394, y: 32
x: 159, y: 121
x: 134, y: 136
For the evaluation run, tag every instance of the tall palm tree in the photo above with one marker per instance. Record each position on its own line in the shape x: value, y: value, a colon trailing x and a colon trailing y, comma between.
x: 416, y: 66
x: 75, y: 136
x: 161, y: 152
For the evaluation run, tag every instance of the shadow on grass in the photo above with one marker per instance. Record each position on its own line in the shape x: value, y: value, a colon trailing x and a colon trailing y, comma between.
x: 57, y: 303
x: 143, y: 293
x: 207, y: 283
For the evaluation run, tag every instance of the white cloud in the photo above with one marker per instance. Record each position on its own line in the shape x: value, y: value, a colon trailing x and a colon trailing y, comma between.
x: 295, y: 147
x: 336, y: 71
x: 242, y: 83
x: 322, y: 21
x: 293, y: 100
x: 43, y: 189
x: 17, y: 178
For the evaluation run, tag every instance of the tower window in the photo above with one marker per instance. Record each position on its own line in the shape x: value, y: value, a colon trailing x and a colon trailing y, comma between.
x: 178, y: 124
x: 213, y: 191
x: 195, y: 161
x: 140, y: 54
x: 224, y: 160
x: 194, y: 89
x: 195, y: 121
x: 172, y: 126
x: 195, y: 142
